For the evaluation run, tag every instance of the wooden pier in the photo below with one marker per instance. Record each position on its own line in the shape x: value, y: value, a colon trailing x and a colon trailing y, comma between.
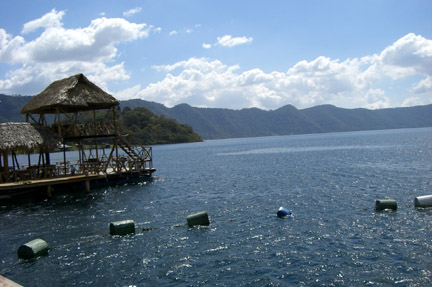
x: 70, y: 112
x: 4, y: 282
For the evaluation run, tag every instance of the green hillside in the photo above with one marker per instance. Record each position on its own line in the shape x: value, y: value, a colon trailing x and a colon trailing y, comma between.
x: 160, y: 124
x: 145, y: 127
x: 142, y: 126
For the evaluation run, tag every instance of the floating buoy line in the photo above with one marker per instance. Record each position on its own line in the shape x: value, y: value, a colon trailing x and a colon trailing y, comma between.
x: 39, y: 247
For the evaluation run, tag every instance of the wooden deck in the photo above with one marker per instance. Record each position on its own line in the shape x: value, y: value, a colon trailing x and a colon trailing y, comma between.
x: 4, y: 282
x: 46, y: 187
x: 47, y: 182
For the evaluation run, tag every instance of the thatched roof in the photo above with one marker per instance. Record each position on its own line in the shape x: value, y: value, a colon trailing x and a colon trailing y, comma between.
x: 72, y: 94
x: 27, y: 137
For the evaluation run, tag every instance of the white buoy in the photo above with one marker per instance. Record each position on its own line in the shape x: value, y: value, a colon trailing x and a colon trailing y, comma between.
x: 423, y: 201
x: 383, y: 204
x: 200, y: 218
x: 122, y: 227
x: 33, y: 249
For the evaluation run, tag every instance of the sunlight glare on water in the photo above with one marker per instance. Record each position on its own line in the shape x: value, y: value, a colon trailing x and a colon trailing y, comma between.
x: 329, y: 181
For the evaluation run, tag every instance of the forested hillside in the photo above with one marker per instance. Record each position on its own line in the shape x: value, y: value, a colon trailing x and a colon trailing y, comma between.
x: 145, y: 127
x: 141, y: 125
x: 153, y: 125
x: 212, y: 123
x: 10, y: 107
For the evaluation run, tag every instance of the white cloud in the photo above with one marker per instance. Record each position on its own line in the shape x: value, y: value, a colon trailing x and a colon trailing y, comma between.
x: 10, y: 48
x: 206, y: 46
x: 37, y: 77
x: 349, y: 83
x: 132, y: 12
x: 424, y: 86
x: 128, y: 93
x: 59, y: 52
x: 410, y: 54
x: 207, y: 82
x: 376, y: 99
x: 51, y: 19
x: 93, y: 43
x: 185, y: 30
x: 229, y: 41
x: 413, y: 101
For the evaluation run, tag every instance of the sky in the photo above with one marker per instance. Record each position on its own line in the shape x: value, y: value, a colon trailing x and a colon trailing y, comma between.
x: 224, y: 54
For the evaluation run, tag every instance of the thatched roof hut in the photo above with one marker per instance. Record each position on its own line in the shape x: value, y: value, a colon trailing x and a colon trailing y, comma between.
x: 27, y: 138
x: 70, y: 95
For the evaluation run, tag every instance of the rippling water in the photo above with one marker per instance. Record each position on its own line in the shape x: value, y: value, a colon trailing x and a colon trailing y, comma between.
x: 334, y: 238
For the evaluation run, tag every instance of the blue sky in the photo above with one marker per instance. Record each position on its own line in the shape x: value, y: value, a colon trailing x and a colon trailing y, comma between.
x: 225, y: 54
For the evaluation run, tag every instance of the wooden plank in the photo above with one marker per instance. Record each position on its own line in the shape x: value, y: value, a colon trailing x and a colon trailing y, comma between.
x: 4, y: 282
x: 46, y: 182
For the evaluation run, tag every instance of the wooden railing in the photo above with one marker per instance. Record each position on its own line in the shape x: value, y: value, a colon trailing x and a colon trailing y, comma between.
x: 138, y: 159
x: 29, y: 173
x: 87, y: 129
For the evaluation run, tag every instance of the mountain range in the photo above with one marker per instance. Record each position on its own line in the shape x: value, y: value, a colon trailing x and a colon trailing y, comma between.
x: 215, y: 123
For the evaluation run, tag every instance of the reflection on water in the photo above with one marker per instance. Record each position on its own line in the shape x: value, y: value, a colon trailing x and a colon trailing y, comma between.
x: 303, y: 149
x: 334, y: 238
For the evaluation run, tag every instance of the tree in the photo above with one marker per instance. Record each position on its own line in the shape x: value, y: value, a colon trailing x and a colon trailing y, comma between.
x: 147, y: 128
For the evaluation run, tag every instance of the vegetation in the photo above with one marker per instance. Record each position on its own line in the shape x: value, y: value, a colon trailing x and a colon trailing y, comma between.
x: 10, y: 107
x: 145, y: 127
x: 213, y: 123
x: 142, y: 126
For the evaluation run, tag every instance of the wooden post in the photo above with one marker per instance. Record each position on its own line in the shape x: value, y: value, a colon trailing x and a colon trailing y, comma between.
x: 115, y: 121
x: 79, y: 152
x: 87, y: 186
x: 115, y: 140
x: 43, y: 158
x: 13, y: 160
x: 6, y: 165
x: 58, y: 122
x: 95, y: 132
x: 64, y: 157
x: 48, y: 158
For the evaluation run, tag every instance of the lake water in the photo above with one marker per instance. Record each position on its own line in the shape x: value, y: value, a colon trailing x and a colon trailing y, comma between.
x: 329, y: 181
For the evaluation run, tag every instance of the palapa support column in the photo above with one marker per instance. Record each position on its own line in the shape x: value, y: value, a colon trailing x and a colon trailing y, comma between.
x: 87, y: 186
x: 49, y: 191
x: 6, y: 166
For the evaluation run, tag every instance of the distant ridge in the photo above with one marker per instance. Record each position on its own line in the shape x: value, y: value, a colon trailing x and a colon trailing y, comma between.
x: 215, y: 123
x: 10, y: 107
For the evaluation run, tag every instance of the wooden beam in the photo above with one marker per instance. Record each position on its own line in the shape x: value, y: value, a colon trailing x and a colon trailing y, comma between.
x: 4, y: 282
